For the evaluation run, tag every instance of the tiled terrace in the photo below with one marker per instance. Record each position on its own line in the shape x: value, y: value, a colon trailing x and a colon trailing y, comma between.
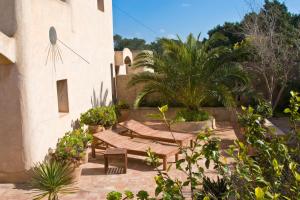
x: 94, y: 184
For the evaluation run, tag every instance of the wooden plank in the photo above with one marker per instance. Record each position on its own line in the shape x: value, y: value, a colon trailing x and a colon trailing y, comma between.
x: 118, y: 141
x: 143, y: 131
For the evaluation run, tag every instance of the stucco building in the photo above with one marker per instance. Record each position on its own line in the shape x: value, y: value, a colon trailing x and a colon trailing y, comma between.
x: 45, y: 83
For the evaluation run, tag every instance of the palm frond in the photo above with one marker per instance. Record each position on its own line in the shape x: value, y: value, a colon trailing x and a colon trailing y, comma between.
x: 144, y: 59
x: 190, y: 72
x: 145, y: 77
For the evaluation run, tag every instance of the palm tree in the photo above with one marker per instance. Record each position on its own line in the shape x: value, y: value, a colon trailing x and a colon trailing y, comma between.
x: 190, y: 73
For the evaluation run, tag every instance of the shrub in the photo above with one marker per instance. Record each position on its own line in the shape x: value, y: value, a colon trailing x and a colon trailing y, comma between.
x: 50, y: 179
x: 192, y: 115
x: 264, y: 109
x: 118, y: 196
x: 123, y: 105
x: 273, y: 172
x: 104, y: 116
x: 215, y: 189
x: 72, y: 147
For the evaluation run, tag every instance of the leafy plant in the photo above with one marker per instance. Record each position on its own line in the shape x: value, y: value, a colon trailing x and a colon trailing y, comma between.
x: 192, y: 115
x: 189, y: 73
x: 51, y: 179
x: 104, y: 116
x: 273, y: 173
x: 270, y: 173
x: 122, y: 105
x: 264, y: 109
x: 114, y: 196
x: 72, y: 147
x: 214, y: 189
x: 118, y: 196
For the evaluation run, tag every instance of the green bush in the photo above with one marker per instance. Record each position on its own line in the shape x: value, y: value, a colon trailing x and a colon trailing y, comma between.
x: 72, y: 147
x: 264, y: 109
x: 192, y: 115
x: 123, y: 105
x: 104, y: 116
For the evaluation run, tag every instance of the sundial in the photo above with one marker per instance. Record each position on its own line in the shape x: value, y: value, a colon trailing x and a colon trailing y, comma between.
x: 54, y: 49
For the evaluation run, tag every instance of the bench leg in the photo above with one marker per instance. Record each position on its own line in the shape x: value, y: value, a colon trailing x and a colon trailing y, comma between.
x: 191, y: 143
x: 165, y: 163
x: 105, y: 164
x: 176, y: 157
x: 125, y: 162
x: 93, y: 149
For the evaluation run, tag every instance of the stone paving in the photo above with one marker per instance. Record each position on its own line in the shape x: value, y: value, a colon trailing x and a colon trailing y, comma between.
x: 94, y: 184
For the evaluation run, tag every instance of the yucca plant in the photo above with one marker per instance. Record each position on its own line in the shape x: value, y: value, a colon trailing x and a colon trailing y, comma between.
x: 51, y: 179
x: 190, y: 73
x: 215, y: 189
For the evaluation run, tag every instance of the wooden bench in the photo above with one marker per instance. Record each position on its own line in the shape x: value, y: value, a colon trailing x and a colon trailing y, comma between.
x: 137, y: 129
x: 113, y: 139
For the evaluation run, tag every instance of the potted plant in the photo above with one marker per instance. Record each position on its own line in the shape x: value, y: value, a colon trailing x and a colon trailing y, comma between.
x: 98, y: 119
x: 73, y: 150
x: 52, y: 178
x: 123, y: 109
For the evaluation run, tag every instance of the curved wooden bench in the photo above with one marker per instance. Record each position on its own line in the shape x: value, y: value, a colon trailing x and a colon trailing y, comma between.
x: 143, y: 131
x: 140, y: 148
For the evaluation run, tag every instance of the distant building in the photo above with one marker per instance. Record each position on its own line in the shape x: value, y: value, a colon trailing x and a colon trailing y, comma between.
x: 124, y: 62
x: 124, y: 71
x: 46, y: 83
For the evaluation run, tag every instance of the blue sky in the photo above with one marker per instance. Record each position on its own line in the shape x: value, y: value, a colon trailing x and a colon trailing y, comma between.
x: 166, y: 18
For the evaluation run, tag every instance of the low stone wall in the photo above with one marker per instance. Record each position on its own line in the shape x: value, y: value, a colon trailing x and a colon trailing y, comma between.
x: 125, y: 93
x: 129, y: 94
x: 142, y: 114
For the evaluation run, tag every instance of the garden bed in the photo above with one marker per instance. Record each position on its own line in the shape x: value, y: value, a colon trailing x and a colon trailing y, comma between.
x: 194, y: 127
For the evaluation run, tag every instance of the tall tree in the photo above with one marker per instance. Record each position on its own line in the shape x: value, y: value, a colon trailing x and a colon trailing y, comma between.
x: 134, y: 44
x: 232, y: 31
x: 273, y: 36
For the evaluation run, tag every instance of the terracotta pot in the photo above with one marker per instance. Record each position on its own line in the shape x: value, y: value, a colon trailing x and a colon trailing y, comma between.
x: 86, y: 156
x: 251, y: 151
x: 96, y: 128
x: 124, y: 115
x: 76, y: 173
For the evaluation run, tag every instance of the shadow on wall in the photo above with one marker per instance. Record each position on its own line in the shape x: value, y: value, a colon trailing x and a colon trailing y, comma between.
x: 100, y: 100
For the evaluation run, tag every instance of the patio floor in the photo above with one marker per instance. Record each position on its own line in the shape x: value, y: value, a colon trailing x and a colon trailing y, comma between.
x: 94, y: 184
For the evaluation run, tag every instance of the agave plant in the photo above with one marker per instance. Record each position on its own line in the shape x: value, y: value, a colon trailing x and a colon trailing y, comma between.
x: 51, y: 179
x: 215, y: 189
x: 190, y: 73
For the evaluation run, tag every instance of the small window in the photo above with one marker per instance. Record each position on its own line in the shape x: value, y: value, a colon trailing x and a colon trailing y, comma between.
x: 100, y: 4
x: 64, y: 1
x: 62, y: 96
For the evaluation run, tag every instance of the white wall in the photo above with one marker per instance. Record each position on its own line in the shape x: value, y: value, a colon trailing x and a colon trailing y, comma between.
x: 87, y: 31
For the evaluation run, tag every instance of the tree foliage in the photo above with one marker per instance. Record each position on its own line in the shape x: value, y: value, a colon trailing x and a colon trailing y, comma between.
x: 273, y: 46
x: 189, y: 72
x: 134, y: 44
x: 265, y: 166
